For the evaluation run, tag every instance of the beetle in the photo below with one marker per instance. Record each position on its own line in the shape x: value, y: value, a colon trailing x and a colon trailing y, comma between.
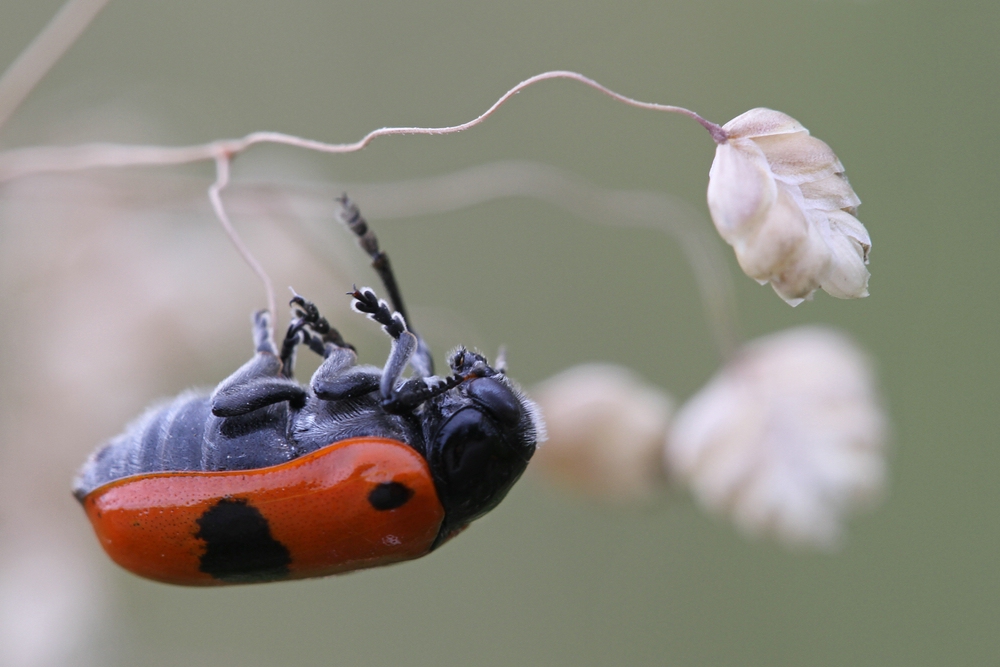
x: 266, y: 479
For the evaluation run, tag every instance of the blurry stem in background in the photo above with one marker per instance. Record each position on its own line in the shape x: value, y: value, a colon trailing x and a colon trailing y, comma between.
x: 614, y: 208
x: 63, y: 30
x: 27, y: 161
x: 43, y: 52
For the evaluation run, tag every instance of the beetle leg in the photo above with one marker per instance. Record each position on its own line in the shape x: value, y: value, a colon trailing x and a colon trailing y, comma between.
x: 338, y: 378
x: 293, y: 338
x: 415, y: 391
x: 307, y: 312
x: 399, y: 398
x: 312, y: 329
x: 367, y: 303
x: 400, y: 354
x: 421, y: 361
x: 263, y: 332
x: 465, y: 366
x: 404, y: 343
x: 259, y: 382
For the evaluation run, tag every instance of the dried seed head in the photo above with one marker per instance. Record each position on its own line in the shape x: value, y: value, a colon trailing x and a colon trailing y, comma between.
x: 606, y: 431
x: 787, y: 439
x: 780, y: 198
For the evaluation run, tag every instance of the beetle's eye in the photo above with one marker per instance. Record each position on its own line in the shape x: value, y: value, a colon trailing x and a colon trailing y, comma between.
x: 472, y: 464
x: 498, y: 400
x: 468, y: 443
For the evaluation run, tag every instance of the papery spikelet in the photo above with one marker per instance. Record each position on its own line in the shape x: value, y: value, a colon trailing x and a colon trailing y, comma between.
x: 780, y: 198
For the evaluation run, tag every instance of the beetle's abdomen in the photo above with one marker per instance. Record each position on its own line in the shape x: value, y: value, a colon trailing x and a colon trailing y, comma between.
x: 184, y: 435
x: 170, y: 436
x: 354, y: 504
x: 174, y: 437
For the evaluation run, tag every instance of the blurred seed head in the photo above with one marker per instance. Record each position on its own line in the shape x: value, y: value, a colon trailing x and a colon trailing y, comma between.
x: 606, y: 429
x: 780, y: 198
x: 787, y: 439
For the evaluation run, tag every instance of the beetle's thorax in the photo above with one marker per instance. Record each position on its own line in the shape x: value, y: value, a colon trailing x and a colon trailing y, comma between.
x: 320, y: 423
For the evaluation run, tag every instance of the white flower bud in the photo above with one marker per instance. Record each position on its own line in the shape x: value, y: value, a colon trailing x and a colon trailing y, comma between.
x: 606, y: 430
x: 780, y: 198
x: 787, y: 439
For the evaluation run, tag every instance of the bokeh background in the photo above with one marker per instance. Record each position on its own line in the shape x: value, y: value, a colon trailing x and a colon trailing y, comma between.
x: 118, y: 288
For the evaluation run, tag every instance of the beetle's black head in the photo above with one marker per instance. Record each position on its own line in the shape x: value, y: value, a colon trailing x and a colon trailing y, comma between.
x: 479, y: 442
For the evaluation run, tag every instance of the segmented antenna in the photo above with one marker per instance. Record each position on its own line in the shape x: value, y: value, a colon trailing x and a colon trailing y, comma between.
x: 422, y: 361
x: 351, y: 216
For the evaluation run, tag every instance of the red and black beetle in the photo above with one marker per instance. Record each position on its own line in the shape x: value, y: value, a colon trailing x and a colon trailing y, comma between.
x: 266, y: 479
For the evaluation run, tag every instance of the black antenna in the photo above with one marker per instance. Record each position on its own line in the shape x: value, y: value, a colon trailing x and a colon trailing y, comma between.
x: 351, y: 216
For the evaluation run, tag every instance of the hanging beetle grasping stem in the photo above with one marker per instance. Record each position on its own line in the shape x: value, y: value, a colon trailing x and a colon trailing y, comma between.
x: 267, y: 479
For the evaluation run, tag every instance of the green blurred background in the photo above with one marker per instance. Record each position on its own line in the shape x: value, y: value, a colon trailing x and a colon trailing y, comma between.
x: 907, y: 95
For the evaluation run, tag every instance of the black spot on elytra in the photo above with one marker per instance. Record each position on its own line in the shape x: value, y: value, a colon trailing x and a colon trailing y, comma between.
x: 389, y: 495
x: 239, y: 544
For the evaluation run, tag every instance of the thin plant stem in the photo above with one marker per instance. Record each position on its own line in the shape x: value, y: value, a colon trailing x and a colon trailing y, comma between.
x: 22, y: 162
x: 35, y: 61
x: 26, y: 161
x: 215, y: 196
x: 603, y: 206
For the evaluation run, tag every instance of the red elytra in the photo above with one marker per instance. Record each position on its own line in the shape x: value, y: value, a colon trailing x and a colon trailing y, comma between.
x: 354, y: 504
